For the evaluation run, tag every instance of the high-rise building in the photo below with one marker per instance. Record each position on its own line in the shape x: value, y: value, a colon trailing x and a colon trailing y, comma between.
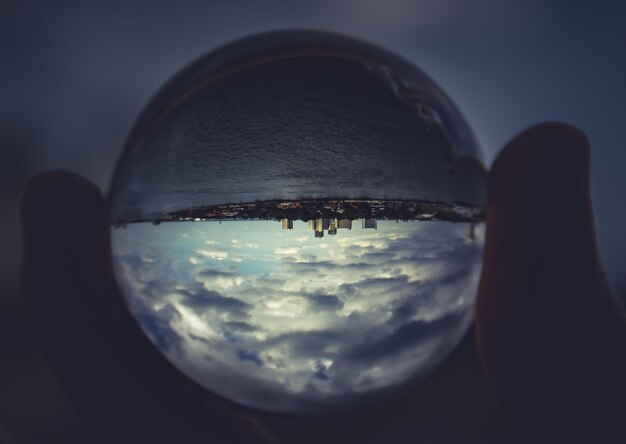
x: 370, y: 223
x: 319, y: 233
x: 332, y: 229
x: 287, y: 224
x: 344, y: 223
x: 325, y: 224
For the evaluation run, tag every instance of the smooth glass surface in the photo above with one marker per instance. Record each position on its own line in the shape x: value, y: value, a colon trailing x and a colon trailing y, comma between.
x: 296, y: 223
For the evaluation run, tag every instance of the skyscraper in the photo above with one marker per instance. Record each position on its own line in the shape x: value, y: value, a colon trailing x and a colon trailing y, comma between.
x: 287, y: 224
x: 344, y: 223
x: 319, y: 225
x: 369, y: 223
x: 332, y: 229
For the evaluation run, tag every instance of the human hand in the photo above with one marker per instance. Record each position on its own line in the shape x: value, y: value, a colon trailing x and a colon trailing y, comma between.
x: 122, y: 389
x: 550, y: 334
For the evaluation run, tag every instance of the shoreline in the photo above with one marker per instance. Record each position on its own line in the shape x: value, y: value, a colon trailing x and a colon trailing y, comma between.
x: 327, y: 208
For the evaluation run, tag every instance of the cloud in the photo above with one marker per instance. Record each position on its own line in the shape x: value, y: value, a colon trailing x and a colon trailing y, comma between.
x: 239, y: 327
x: 324, y: 302
x: 202, y: 300
x: 320, y: 371
x: 220, y: 255
x: 218, y: 280
x: 405, y: 337
x: 286, y: 251
x: 157, y: 326
x: 305, y: 343
x: 302, y: 325
x: 249, y: 356
x: 211, y: 274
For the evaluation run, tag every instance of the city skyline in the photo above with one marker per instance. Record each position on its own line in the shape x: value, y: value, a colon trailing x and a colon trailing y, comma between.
x: 341, y: 211
x: 329, y: 225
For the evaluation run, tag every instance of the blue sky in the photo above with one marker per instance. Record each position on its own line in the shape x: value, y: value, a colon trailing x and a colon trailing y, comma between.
x: 280, y: 320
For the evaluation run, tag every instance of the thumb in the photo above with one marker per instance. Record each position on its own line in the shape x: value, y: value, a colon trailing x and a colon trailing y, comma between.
x: 551, y: 334
x: 123, y: 390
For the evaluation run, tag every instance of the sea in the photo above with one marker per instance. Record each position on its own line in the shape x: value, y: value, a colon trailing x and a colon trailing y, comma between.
x: 298, y: 128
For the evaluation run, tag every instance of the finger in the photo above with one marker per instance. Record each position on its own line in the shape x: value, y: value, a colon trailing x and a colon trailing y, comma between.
x: 551, y: 334
x: 117, y: 382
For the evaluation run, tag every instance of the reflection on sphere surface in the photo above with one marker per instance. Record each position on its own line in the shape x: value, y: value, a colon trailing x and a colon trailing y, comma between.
x: 296, y: 223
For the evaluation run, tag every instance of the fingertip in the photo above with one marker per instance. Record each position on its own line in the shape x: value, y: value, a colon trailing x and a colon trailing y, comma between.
x: 543, y: 297
x: 62, y: 218
x: 59, y: 200
x: 539, y: 228
x: 550, y: 156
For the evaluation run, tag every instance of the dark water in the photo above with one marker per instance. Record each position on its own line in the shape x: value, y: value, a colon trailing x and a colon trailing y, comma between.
x: 296, y: 128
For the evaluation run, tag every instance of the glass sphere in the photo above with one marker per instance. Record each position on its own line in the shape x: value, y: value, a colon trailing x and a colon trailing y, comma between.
x: 297, y: 223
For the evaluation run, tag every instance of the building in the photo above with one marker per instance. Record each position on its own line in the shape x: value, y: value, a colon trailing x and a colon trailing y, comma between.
x: 332, y: 229
x: 319, y: 233
x: 369, y: 223
x: 319, y: 225
x: 287, y: 224
x: 344, y: 223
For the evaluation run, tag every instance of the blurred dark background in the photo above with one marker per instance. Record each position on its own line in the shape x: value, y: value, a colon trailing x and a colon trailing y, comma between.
x: 75, y: 75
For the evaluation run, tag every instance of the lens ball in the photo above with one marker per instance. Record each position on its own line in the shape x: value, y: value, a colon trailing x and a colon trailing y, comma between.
x: 297, y: 223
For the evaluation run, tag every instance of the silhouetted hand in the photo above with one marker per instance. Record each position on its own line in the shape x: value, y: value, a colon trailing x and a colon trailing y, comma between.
x: 551, y: 335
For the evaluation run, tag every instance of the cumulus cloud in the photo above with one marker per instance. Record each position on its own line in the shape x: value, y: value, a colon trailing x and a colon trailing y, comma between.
x: 404, y: 337
x: 249, y: 356
x: 218, y: 280
x: 286, y: 251
x: 305, y: 322
x: 324, y: 302
x: 238, y: 327
x: 156, y: 325
x: 203, y: 300
x: 220, y: 255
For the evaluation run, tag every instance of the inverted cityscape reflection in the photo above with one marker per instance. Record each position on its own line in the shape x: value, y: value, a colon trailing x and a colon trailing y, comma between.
x: 297, y: 223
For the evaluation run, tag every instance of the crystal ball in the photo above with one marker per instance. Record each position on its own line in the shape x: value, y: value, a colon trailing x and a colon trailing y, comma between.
x: 297, y: 223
